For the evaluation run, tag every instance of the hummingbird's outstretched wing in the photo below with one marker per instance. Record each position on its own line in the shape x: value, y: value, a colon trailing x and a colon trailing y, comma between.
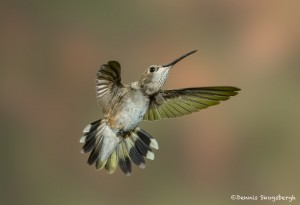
x: 175, y: 103
x: 108, y: 81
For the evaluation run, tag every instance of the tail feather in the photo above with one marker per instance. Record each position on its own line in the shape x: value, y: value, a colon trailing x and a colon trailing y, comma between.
x: 111, y: 163
x: 109, y: 150
x: 134, y: 154
x: 100, y: 164
x: 123, y: 158
x: 91, y: 127
x: 96, y: 150
x: 89, y: 132
x: 142, y: 145
x: 89, y: 145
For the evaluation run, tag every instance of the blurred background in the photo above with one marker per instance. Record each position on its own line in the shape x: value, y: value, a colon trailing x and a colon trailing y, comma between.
x: 249, y: 145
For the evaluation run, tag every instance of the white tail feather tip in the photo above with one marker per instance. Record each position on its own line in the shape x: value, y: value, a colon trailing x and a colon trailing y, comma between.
x: 87, y: 128
x: 82, y: 139
x: 154, y: 144
x: 142, y: 166
x: 150, y: 155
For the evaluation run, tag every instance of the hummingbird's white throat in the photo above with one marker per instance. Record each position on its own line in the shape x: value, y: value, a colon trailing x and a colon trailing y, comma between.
x: 154, y: 78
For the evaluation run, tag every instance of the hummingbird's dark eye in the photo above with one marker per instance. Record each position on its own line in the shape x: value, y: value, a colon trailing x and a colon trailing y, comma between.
x: 152, y: 69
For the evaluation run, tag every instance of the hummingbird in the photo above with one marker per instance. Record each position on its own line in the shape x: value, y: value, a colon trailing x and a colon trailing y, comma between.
x: 116, y: 139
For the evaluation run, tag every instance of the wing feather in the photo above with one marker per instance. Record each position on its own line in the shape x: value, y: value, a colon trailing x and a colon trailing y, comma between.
x: 175, y: 103
x: 108, y: 80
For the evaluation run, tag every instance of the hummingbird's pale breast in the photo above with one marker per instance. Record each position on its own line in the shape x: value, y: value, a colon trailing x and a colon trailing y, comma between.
x: 128, y: 110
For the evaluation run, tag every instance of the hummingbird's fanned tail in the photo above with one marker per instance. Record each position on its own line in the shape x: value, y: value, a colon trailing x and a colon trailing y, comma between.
x: 100, y: 140
x: 109, y: 150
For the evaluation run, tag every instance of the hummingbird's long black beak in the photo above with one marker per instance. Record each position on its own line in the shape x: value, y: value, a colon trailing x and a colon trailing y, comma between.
x: 179, y: 59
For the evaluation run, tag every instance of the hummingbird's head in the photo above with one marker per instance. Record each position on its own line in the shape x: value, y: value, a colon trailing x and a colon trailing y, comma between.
x: 156, y: 75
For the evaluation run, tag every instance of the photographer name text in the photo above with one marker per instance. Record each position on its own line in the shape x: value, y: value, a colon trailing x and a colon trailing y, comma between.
x: 273, y: 198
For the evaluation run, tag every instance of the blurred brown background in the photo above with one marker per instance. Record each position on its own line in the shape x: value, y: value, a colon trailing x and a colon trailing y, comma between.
x: 50, y: 52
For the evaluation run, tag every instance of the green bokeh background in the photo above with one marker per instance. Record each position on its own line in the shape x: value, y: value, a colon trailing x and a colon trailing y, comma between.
x: 50, y: 52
